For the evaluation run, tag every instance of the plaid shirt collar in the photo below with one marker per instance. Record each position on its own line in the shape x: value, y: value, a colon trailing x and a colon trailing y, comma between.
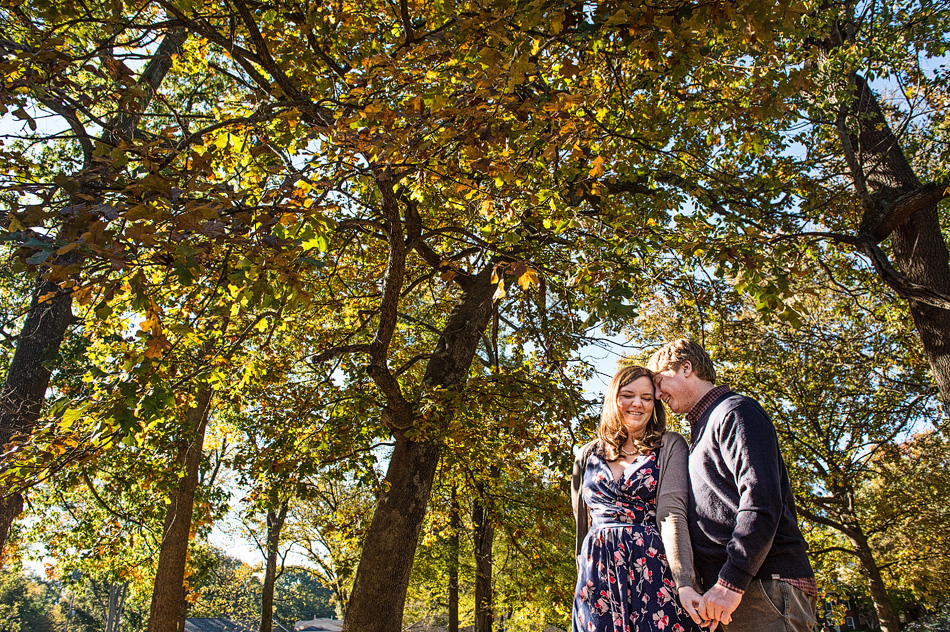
x: 704, y: 402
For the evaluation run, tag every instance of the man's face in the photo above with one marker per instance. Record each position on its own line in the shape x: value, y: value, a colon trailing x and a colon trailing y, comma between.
x: 671, y: 387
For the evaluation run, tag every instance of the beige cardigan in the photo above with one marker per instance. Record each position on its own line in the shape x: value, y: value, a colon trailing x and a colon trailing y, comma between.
x: 671, y: 497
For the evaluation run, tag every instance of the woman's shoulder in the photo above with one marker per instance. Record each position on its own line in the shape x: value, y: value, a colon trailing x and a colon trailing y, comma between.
x: 672, y: 441
x: 591, y: 447
x: 671, y: 436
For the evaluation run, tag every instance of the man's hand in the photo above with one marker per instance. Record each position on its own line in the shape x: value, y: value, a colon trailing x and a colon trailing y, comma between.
x: 719, y: 603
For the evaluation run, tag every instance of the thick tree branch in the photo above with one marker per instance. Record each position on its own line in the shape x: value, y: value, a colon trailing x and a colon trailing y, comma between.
x: 123, y: 126
x: 415, y: 241
x: 263, y: 52
x: 837, y: 526
x: 329, y: 61
x: 399, y: 411
x: 881, y: 219
x: 904, y: 287
x: 831, y: 549
x: 406, y: 21
x: 79, y: 130
x: 329, y: 354
x: 239, y: 54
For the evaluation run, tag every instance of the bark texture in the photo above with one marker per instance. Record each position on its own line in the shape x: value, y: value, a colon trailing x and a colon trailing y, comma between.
x: 275, y: 523
x: 176, y: 532
x: 484, y: 535
x: 872, y: 574
x: 881, y: 169
x: 382, y: 578
x: 24, y: 389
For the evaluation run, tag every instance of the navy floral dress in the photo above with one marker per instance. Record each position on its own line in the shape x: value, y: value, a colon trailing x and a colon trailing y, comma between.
x: 625, y: 583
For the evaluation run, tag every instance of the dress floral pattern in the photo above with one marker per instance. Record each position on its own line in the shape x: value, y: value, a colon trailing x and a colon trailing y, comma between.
x: 625, y: 583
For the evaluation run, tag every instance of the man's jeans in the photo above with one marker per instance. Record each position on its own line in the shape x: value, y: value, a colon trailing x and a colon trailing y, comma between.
x: 771, y: 605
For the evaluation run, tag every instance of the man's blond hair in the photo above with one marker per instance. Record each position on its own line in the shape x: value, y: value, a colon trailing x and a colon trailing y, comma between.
x: 673, y: 354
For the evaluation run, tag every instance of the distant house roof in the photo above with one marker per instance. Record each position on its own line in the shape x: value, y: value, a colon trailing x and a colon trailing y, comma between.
x: 218, y: 624
x: 223, y: 624
x: 319, y: 625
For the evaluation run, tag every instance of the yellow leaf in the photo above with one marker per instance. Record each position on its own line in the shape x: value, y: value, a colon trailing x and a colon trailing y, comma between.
x: 155, y: 346
x: 499, y: 292
x: 486, y: 208
x: 598, y: 167
x: 529, y: 278
x: 67, y: 248
x: 152, y: 323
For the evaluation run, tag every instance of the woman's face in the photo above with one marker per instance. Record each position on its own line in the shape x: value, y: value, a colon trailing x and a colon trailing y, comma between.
x: 635, y: 403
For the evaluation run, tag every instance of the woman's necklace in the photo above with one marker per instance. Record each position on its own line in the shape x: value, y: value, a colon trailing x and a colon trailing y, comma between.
x: 625, y: 453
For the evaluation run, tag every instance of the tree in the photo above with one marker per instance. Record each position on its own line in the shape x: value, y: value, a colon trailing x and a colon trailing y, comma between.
x: 27, y: 604
x: 329, y: 527
x: 302, y: 597
x: 33, y: 52
x: 220, y: 585
x: 913, y: 549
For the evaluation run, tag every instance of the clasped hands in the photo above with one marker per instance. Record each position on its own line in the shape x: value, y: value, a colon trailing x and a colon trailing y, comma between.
x: 712, y: 608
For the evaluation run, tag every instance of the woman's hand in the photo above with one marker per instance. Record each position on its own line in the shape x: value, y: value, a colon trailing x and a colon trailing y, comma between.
x: 691, y: 600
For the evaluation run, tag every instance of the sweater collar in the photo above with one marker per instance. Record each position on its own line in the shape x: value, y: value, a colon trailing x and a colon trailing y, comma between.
x: 705, y: 402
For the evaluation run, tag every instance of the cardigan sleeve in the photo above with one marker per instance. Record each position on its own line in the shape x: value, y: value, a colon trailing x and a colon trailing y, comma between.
x: 672, y: 496
x: 581, y: 515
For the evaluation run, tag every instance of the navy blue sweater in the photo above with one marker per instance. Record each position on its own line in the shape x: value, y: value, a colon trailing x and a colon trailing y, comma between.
x: 741, y: 510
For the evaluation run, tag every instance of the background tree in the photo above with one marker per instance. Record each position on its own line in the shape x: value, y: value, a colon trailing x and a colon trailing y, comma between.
x: 27, y: 603
x: 69, y: 210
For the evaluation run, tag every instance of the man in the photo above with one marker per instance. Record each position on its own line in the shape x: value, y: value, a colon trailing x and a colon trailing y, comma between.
x: 749, y: 552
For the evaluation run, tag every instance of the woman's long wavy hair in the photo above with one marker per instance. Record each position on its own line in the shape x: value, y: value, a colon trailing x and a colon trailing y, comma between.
x: 613, y: 433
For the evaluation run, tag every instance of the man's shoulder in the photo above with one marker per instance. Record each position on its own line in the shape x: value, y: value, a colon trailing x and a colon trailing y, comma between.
x: 732, y: 400
x: 737, y: 406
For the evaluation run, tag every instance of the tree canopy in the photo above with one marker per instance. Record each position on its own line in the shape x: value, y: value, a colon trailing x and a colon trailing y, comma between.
x: 362, y: 249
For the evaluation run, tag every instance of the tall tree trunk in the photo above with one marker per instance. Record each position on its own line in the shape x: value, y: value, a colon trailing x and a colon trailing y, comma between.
x: 872, y: 574
x: 455, y: 526
x: 921, y: 256
x: 24, y: 388
x: 882, y: 171
x: 382, y: 578
x: 117, y: 594
x: 275, y: 522
x: 176, y: 532
x: 484, y: 532
x: 183, y: 609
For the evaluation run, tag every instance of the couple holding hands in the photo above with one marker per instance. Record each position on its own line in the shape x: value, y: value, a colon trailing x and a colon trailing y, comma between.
x: 681, y: 538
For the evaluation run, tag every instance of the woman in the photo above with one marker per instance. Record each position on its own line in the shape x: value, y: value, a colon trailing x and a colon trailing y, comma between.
x: 629, y: 491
